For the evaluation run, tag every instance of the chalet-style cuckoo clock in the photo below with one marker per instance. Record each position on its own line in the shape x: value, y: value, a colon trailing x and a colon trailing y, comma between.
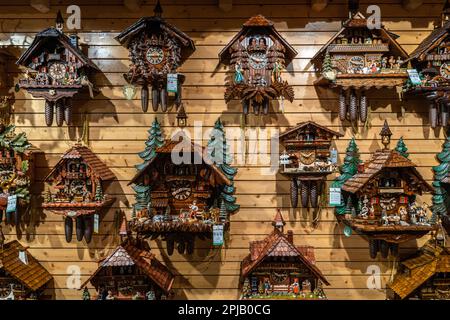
x: 431, y: 76
x: 357, y: 59
x: 78, y: 182
x: 256, y: 57
x: 56, y: 70
x: 307, y: 160
x: 157, y: 50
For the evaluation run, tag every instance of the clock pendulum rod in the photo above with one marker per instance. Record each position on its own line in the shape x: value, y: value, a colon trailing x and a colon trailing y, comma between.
x: 48, y: 112
x: 363, y: 107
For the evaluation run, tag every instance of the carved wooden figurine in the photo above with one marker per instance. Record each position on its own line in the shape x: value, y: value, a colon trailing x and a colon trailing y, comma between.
x: 358, y: 59
x: 307, y: 160
x: 256, y: 57
x: 22, y: 277
x: 431, y: 59
x: 281, y: 268
x: 380, y: 199
x: 78, y: 183
x: 56, y: 70
x: 157, y: 50
x: 181, y: 190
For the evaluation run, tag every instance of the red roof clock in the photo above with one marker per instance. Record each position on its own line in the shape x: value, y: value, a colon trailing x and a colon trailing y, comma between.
x: 257, y: 55
x: 57, y: 70
x: 78, y: 183
x: 357, y: 59
x: 157, y: 49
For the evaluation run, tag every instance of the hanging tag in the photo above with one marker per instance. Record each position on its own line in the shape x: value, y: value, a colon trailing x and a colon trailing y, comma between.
x: 12, y: 204
x: 414, y: 77
x: 172, y: 82
x: 217, y: 234
x: 23, y: 256
x: 96, y: 223
x: 333, y: 156
x: 335, y: 196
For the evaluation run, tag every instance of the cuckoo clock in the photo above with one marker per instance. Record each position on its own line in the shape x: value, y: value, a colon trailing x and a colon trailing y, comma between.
x: 56, y: 70
x: 357, y: 59
x: 278, y: 269
x: 256, y: 56
x: 22, y: 277
x: 180, y: 199
x: 157, y: 49
x: 307, y: 160
x: 131, y: 271
x: 77, y: 183
x: 431, y: 76
x: 379, y: 200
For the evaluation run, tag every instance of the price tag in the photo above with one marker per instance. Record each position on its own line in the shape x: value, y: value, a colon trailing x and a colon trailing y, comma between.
x: 335, y: 196
x: 12, y: 204
x: 333, y: 156
x: 414, y: 77
x: 96, y: 223
x: 217, y: 234
x: 172, y: 82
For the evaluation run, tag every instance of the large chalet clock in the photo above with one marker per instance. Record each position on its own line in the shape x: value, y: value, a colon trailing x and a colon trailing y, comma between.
x: 157, y: 50
x: 256, y: 56
x: 56, y: 70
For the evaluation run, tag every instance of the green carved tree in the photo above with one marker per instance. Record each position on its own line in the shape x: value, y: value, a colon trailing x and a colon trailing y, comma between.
x: 401, y: 148
x: 327, y: 65
x: 348, y: 169
x: 142, y: 197
x: 440, y: 198
x: 155, y: 140
x: 86, y: 295
x: 218, y: 153
x: 99, y: 192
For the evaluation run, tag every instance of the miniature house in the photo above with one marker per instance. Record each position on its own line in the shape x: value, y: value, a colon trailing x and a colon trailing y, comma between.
x: 277, y: 268
x: 183, y: 200
x: 78, y: 183
x: 432, y: 61
x: 256, y: 56
x: 57, y: 69
x: 157, y: 49
x: 21, y: 275
x: 380, y: 200
x: 423, y: 277
x: 357, y: 59
x: 131, y: 272
x: 307, y: 160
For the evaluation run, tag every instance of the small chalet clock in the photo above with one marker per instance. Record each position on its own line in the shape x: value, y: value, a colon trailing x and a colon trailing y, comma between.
x: 56, y: 70
x: 256, y: 56
x: 157, y: 50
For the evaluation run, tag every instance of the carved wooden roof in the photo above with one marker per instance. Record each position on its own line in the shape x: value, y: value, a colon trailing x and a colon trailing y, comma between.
x: 382, y: 159
x: 302, y: 125
x: 52, y: 34
x: 430, y: 42
x: 32, y: 275
x: 128, y: 254
x: 261, y: 24
x: 91, y: 159
x: 431, y: 259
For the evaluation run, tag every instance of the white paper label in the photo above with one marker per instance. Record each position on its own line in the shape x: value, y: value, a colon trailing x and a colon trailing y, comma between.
x: 172, y: 82
x: 23, y: 257
x: 414, y: 77
x: 333, y: 156
x: 217, y: 235
x: 335, y: 196
x: 96, y: 223
x: 12, y: 204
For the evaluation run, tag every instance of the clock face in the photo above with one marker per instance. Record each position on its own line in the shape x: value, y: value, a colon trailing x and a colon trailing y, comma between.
x: 388, y: 203
x: 57, y: 70
x: 258, y: 60
x: 445, y: 70
x: 155, y: 55
x: 279, y: 277
x: 356, y: 63
x: 181, y: 190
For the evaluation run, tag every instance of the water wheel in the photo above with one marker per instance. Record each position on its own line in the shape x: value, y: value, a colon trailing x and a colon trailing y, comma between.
x: 59, y: 113
x: 68, y: 112
x: 314, y: 193
x: 163, y: 99
x: 68, y: 228
x: 384, y: 249
x: 433, y: 116
x: 342, y: 106
x: 88, y: 227
x: 294, y: 193
x: 181, y: 246
x: 373, y: 248
x: 304, y: 190
x: 79, y: 227
x: 393, y: 248
x: 353, y: 106
x: 170, y: 246
x: 363, y: 107
x: 48, y: 112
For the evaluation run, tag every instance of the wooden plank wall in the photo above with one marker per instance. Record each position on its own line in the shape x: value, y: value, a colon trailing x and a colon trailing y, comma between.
x: 118, y: 131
